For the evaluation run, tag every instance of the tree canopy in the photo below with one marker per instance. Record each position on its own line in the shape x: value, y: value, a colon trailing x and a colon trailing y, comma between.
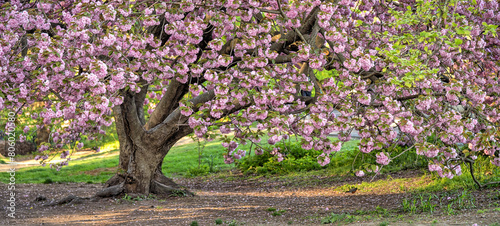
x: 421, y: 73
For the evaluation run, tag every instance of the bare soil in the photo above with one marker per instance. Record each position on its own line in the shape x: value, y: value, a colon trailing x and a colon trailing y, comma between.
x: 304, y: 201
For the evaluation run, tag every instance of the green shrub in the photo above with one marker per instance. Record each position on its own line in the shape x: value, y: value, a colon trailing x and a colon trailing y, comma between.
x: 198, y: 171
x: 295, y: 159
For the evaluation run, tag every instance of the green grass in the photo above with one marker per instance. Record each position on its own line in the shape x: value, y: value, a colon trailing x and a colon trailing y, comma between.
x: 74, y: 172
x: 178, y: 162
x: 181, y: 159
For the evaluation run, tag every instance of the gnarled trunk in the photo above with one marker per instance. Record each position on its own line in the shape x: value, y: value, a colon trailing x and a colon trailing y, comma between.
x: 140, y: 172
x: 141, y: 153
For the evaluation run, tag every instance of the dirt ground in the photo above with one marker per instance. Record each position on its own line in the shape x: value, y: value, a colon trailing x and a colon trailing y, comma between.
x: 304, y: 201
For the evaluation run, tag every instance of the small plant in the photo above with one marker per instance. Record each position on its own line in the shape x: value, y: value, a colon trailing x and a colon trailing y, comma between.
x: 449, y: 209
x: 178, y: 193
x: 381, y: 210
x: 218, y: 221
x: 361, y: 212
x: 426, y: 203
x: 48, y: 181
x: 336, y: 218
x: 127, y: 197
x: 406, y: 205
x: 194, y: 223
x: 384, y: 223
x: 198, y: 171
x: 211, y: 165
x: 233, y: 223
x: 138, y: 198
x: 271, y: 209
x: 409, y: 206
x: 278, y: 213
x: 465, y: 200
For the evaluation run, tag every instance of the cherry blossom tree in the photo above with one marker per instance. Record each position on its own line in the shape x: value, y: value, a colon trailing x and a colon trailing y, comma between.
x: 423, y: 73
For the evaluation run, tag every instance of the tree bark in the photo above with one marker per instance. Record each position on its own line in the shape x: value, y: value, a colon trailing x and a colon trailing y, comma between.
x: 140, y: 170
x: 140, y: 161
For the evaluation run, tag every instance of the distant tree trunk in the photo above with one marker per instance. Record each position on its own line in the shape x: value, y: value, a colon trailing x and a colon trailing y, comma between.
x: 42, y: 135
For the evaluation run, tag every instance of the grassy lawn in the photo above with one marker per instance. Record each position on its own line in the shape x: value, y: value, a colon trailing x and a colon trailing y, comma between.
x: 182, y: 160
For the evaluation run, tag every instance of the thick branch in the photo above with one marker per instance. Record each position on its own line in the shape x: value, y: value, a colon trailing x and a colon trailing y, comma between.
x: 168, y: 127
x: 130, y: 115
x: 175, y: 90
x: 168, y: 103
x: 139, y: 103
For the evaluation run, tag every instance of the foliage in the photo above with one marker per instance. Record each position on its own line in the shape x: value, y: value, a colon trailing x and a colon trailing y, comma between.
x: 295, y: 159
x: 347, y: 160
x: 401, y: 71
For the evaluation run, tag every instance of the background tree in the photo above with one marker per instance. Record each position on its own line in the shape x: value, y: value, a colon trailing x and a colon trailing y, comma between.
x: 423, y: 73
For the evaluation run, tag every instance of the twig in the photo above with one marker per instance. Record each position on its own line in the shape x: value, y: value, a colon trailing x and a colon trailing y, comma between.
x: 472, y: 172
x: 403, y: 152
x: 286, y: 18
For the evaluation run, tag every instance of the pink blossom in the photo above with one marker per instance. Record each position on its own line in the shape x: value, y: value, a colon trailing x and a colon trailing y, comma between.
x: 496, y: 161
x: 228, y: 160
x: 360, y: 173
x: 382, y: 158
x: 279, y: 157
x: 323, y: 159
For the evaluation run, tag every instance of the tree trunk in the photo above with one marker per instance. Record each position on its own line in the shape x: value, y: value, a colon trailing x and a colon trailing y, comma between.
x: 141, y: 157
x: 143, y: 174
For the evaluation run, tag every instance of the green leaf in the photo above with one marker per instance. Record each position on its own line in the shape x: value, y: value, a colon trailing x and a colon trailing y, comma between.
x: 458, y: 41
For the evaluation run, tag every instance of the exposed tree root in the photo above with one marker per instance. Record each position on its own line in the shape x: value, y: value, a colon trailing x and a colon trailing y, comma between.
x: 70, y: 199
x: 112, y: 191
x: 115, y: 180
x: 160, y: 185
x: 120, y: 184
